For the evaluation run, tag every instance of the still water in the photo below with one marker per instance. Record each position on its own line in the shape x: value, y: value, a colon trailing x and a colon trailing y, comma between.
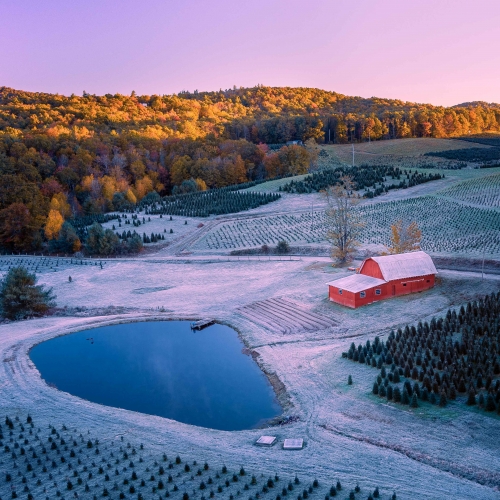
x: 162, y: 368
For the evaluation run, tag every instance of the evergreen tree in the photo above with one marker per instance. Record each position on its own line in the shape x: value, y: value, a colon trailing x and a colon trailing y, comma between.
x: 416, y: 390
x: 21, y: 297
x: 490, y: 403
x: 481, y: 400
x: 405, y: 398
x: 442, y: 399
x: 397, y: 395
x: 471, y: 398
x: 425, y: 394
x: 389, y: 393
x: 67, y: 241
x: 414, y: 402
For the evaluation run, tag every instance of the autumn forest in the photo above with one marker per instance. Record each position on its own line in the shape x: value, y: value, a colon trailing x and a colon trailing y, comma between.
x: 65, y: 157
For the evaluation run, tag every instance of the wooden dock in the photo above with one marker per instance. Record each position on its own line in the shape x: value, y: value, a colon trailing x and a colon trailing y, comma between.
x: 202, y: 323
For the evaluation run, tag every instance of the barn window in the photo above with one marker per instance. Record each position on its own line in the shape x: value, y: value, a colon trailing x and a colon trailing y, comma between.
x: 428, y: 281
x: 404, y: 284
x: 340, y: 291
x: 378, y: 291
x: 362, y: 295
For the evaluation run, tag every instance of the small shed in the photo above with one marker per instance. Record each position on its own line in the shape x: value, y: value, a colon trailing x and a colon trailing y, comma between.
x: 383, y: 277
x: 266, y: 441
x: 293, y: 444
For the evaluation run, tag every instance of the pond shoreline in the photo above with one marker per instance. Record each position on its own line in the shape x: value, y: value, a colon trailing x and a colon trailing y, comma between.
x: 86, y: 390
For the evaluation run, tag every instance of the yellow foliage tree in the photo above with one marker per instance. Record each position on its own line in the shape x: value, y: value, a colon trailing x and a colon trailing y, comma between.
x: 130, y: 196
x: 405, y: 237
x: 53, y: 225
x: 108, y: 185
x: 201, y: 184
x: 59, y: 202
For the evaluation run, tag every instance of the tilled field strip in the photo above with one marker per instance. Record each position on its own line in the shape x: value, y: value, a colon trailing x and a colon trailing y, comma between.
x: 284, y: 316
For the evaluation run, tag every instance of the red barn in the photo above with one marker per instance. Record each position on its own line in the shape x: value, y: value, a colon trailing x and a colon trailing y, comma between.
x: 379, y: 278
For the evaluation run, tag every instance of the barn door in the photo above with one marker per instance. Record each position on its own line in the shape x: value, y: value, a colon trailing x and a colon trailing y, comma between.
x: 393, y: 289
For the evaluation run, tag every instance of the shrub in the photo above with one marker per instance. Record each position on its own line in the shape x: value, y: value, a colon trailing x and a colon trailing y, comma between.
x: 282, y: 247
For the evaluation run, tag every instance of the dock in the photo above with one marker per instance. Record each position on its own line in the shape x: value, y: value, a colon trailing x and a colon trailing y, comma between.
x: 202, y: 323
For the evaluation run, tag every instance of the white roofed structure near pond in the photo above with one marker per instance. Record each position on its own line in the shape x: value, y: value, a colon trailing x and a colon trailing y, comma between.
x: 356, y: 283
x: 266, y: 440
x: 404, y: 265
x: 293, y: 444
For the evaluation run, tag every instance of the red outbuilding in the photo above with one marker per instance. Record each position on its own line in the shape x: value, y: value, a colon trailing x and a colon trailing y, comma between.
x: 383, y: 277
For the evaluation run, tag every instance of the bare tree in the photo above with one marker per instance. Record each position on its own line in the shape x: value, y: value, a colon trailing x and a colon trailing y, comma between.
x: 342, y: 223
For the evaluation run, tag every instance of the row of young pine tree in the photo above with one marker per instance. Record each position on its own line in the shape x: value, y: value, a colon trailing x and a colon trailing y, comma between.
x: 455, y: 355
x: 206, y: 203
x: 364, y: 177
x: 53, y: 462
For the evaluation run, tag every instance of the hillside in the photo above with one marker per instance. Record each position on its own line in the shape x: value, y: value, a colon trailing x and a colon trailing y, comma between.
x: 62, y: 157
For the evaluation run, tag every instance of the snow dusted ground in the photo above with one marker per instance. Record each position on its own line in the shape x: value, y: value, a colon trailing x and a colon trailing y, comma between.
x: 427, y: 453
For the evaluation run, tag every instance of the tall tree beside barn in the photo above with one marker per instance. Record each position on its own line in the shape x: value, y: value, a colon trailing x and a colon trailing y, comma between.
x: 342, y: 223
x: 405, y: 237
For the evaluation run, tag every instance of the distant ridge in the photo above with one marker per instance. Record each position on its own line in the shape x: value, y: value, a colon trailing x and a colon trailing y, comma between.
x: 478, y: 104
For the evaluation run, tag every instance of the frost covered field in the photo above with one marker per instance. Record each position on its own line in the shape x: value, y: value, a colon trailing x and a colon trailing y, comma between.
x: 349, y: 434
x: 280, y: 308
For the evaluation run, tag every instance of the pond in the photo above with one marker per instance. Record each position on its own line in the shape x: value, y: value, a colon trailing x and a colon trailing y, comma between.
x: 162, y: 368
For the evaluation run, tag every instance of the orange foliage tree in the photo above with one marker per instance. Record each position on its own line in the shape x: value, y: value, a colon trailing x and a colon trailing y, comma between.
x: 18, y: 228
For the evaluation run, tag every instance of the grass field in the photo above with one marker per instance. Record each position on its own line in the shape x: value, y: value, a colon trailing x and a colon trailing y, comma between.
x: 274, y: 185
x: 406, y: 153
x: 401, y: 147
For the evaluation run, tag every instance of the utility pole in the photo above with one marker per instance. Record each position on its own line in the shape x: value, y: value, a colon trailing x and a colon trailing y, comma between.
x: 353, y: 154
x: 312, y: 215
x: 482, y: 269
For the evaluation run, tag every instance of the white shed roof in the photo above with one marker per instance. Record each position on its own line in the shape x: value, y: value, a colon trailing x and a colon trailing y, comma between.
x: 405, y: 265
x: 356, y: 283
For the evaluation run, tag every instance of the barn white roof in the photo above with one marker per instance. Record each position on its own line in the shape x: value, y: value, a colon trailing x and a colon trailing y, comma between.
x: 405, y: 265
x: 356, y: 283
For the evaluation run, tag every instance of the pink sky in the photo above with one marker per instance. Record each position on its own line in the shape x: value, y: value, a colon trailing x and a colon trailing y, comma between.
x: 442, y: 52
